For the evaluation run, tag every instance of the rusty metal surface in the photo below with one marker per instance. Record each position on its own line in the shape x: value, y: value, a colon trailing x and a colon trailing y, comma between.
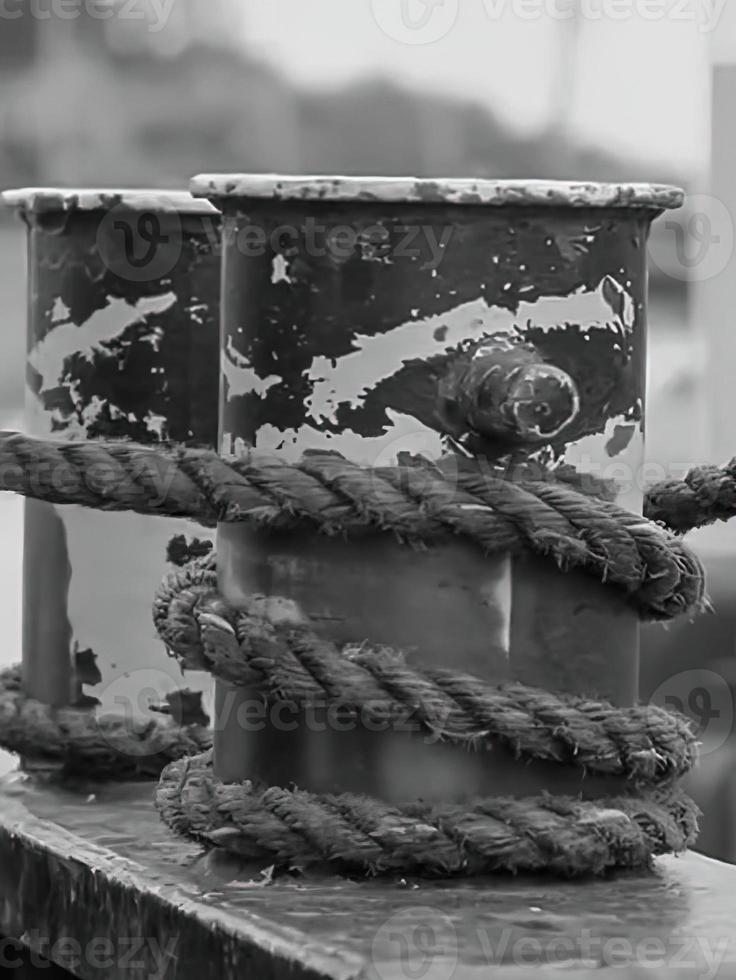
x: 544, y: 193
x: 123, y: 338
x: 411, y: 328
x: 39, y: 200
x: 87, y: 863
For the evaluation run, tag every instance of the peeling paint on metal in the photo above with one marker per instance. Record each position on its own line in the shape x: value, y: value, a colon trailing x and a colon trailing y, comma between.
x: 470, y: 192
x: 109, y: 357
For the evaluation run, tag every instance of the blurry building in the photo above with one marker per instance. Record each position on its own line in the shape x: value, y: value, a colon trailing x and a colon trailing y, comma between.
x: 143, y: 99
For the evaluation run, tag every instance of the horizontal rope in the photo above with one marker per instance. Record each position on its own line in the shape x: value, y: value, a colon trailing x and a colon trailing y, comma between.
x: 653, y: 570
x: 89, y: 744
x: 268, y: 645
x: 556, y: 835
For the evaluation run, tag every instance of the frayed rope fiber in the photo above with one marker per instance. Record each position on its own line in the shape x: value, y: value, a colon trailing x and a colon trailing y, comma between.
x: 556, y: 835
x: 419, y: 504
x: 84, y: 743
x: 272, y: 649
x: 268, y: 645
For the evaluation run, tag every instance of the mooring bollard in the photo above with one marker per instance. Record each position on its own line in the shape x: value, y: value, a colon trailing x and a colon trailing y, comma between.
x: 422, y: 383
x: 123, y: 314
x: 411, y: 321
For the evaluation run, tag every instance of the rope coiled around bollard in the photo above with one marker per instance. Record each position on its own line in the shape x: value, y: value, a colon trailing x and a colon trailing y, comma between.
x: 557, y: 835
x: 419, y: 504
x: 267, y: 645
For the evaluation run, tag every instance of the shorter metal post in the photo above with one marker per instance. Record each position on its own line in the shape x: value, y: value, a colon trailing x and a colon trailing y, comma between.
x: 123, y: 337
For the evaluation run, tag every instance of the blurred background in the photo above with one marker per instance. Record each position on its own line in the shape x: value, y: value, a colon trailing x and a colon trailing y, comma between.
x: 149, y: 92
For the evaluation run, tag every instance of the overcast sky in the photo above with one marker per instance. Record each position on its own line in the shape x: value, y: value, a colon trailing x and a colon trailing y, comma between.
x: 640, y: 85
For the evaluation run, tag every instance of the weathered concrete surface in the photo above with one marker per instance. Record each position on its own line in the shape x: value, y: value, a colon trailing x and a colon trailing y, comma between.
x: 99, y: 866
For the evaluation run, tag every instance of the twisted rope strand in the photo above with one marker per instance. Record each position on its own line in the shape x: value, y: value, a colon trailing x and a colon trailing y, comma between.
x: 92, y: 745
x: 562, y: 836
x: 653, y: 570
x: 269, y: 645
x: 124, y: 476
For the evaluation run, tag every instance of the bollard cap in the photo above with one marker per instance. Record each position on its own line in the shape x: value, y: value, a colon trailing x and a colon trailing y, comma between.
x: 52, y: 200
x: 402, y: 190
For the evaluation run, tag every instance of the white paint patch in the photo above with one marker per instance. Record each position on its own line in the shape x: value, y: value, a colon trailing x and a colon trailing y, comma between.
x: 60, y: 312
x: 349, y: 378
x: 589, y: 309
x: 157, y: 424
x: 154, y: 339
x: 48, y: 357
x: 241, y: 378
x: 65, y: 339
x: 197, y: 312
x: 405, y: 434
x: 280, y: 271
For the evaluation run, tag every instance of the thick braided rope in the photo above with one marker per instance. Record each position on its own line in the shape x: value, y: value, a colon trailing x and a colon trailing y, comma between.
x: 283, y: 656
x: 269, y: 646
x: 84, y: 743
x: 654, y: 571
x: 272, y: 649
x: 556, y: 835
x: 124, y: 476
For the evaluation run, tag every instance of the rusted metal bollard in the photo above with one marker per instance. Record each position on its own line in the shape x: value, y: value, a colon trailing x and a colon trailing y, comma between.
x: 123, y: 314
x: 385, y: 317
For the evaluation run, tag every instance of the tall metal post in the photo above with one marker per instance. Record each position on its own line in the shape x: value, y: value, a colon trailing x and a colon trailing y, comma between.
x: 350, y: 309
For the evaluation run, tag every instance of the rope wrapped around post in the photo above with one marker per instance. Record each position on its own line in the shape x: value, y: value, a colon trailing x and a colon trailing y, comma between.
x: 419, y: 503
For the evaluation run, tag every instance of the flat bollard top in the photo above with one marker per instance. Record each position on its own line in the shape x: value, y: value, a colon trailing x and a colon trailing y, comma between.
x: 52, y: 200
x: 408, y: 190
